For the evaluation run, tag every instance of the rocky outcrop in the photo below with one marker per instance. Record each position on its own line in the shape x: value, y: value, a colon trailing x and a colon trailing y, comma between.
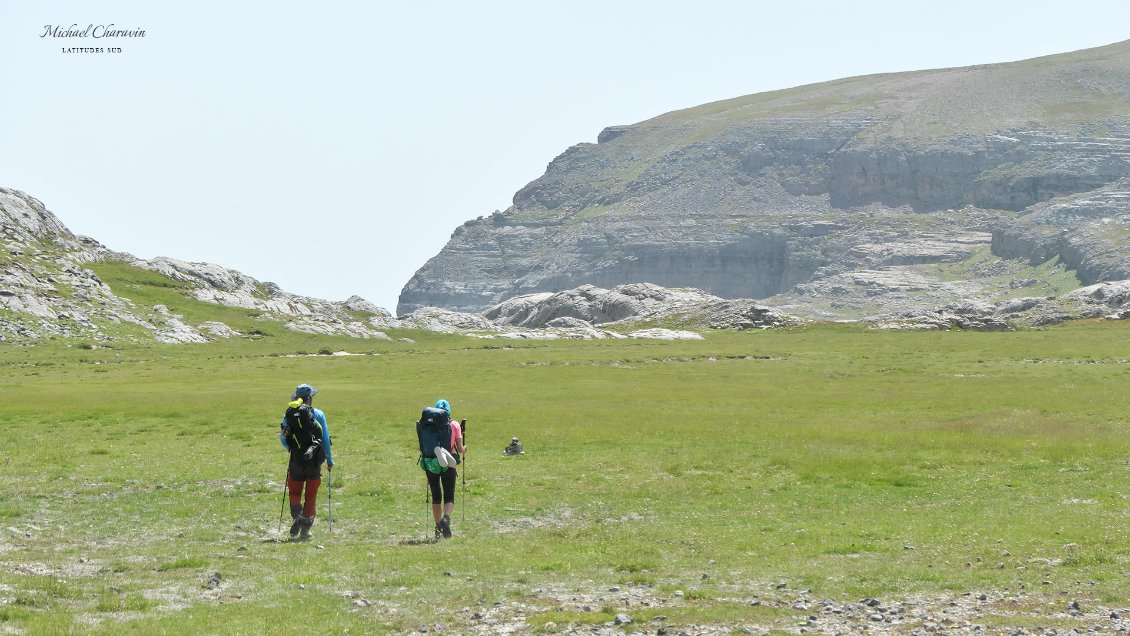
x: 444, y: 321
x: 588, y: 305
x: 1088, y: 232
x: 593, y: 305
x: 46, y: 289
x: 215, y: 284
x: 592, y: 313
x: 1109, y: 300
x: 878, y: 189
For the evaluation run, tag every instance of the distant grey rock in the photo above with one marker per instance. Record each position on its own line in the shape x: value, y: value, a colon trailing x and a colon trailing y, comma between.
x: 329, y: 326
x: 587, y: 304
x: 569, y: 322
x: 24, y: 219
x: 43, y: 281
x: 174, y: 331
x: 1109, y: 294
x: 580, y: 312
x: 1086, y: 231
x: 665, y: 334
x: 359, y: 304
x: 515, y: 310
x: 742, y: 314
x: 445, y: 321
x: 219, y: 330
x: 553, y: 333
x: 942, y: 321
x: 1108, y: 299
x: 591, y: 305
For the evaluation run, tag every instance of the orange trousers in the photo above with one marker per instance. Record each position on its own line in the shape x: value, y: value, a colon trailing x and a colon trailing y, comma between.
x: 310, y: 506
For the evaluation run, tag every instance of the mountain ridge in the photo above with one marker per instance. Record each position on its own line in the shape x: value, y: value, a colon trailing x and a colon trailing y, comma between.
x: 51, y: 287
x: 757, y: 195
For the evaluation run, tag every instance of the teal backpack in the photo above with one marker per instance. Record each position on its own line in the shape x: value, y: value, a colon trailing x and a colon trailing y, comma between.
x: 433, y: 429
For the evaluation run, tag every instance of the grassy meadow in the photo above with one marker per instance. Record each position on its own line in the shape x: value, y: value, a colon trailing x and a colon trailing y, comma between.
x: 696, y: 476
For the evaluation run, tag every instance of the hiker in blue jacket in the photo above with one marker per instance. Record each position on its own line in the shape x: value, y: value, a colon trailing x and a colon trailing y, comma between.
x: 305, y: 469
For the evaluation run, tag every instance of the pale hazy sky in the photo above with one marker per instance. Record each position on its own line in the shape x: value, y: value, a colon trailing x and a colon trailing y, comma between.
x: 333, y: 147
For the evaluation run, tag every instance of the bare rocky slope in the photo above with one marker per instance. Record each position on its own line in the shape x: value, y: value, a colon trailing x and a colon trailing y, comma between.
x: 864, y: 197
x: 47, y: 289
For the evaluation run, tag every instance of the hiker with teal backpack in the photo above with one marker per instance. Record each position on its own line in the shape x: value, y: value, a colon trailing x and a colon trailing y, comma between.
x: 306, y: 434
x: 441, y: 449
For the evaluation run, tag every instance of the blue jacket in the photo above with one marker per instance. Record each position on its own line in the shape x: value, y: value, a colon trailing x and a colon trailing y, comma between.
x: 321, y: 417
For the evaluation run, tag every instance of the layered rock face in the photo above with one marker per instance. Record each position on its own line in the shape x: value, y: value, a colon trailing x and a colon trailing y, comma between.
x: 836, y: 196
x: 1089, y: 231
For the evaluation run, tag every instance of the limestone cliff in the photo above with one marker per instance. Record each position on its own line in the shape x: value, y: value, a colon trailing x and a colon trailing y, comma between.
x: 847, y: 198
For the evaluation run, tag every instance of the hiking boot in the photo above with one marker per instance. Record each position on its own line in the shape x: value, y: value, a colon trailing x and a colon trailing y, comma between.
x: 296, y: 514
x: 439, y: 530
x: 305, y: 529
x: 446, y: 527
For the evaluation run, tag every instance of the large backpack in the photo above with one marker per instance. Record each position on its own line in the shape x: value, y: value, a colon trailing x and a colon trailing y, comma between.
x: 433, y: 429
x: 302, y: 431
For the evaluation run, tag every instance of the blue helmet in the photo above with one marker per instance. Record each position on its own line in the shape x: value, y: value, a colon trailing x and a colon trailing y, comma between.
x: 304, y: 391
x: 445, y: 405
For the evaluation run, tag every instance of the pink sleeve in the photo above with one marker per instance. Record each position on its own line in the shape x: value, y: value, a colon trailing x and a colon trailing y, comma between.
x: 456, y: 432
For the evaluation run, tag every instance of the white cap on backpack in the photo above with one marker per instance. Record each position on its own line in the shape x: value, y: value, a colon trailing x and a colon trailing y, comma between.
x: 445, y: 459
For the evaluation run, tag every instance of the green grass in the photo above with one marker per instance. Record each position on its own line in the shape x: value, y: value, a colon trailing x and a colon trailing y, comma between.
x: 1051, y: 278
x: 592, y: 211
x: 147, y: 289
x: 833, y: 458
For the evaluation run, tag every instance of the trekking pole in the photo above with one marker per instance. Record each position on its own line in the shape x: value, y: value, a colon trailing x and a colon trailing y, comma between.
x: 463, y: 476
x: 331, y: 495
x: 283, y: 508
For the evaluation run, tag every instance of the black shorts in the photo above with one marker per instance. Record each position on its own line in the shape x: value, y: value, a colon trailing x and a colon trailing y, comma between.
x: 442, y: 486
x: 301, y: 469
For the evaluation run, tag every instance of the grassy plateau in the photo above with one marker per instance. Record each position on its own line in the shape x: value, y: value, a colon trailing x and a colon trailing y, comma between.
x: 682, y: 479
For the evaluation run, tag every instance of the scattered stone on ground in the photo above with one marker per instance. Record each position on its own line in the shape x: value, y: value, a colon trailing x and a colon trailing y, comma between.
x: 783, y: 611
